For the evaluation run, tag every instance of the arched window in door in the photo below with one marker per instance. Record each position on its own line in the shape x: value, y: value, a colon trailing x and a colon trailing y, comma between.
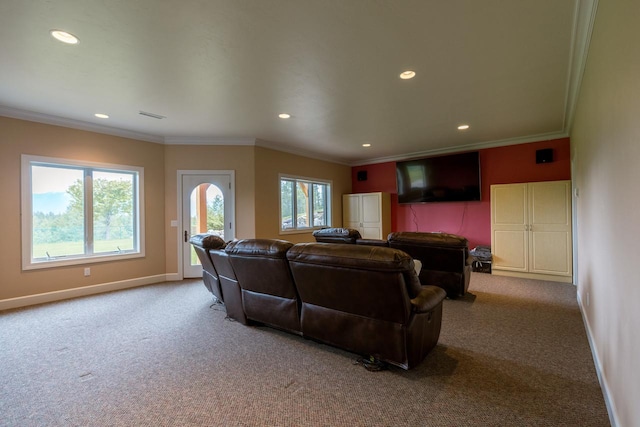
x: 206, y: 213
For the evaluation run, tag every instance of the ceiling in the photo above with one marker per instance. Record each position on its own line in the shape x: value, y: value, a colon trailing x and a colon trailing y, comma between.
x: 220, y: 71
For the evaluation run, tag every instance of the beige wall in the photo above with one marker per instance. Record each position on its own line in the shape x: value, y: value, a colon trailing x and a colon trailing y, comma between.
x: 19, y: 137
x: 605, y: 142
x: 209, y: 157
x: 269, y: 164
x: 256, y: 214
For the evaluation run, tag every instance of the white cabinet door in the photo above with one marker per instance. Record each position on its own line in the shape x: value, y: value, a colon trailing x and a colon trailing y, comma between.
x: 550, y: 219
x: 369, y: 213
x: 531, y: 230
x: 371, y: 225
x: 509, y: 234
x: 351, y: 211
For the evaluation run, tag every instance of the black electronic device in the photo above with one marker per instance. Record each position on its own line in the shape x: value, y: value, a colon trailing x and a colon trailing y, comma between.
x: 544, y: 155
x: 449, y: 178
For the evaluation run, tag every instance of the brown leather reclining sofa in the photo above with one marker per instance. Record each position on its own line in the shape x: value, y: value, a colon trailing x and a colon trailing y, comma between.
x: 445, y: 257
x: 364, y: 299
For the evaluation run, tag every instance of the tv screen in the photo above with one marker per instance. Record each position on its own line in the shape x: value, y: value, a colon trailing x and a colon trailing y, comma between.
x: 450, y: 178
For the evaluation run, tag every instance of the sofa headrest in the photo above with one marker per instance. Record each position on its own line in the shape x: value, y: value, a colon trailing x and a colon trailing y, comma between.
x: 337, y: 235
x: 431, y: 239
x: 272, y: 248
x: 376, y: 258
x: 207, y: 241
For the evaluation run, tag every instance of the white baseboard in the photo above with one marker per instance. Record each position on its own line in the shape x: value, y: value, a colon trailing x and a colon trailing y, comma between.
x: 18, y: 302
x: 611, y: 410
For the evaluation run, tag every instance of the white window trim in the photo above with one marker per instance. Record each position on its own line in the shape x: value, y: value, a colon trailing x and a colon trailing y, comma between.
x: 27, y: 215
x: 313, y: 180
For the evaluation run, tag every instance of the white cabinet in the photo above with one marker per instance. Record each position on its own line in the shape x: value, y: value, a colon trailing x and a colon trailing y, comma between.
x: 369, y: 213
x: 531, y: 230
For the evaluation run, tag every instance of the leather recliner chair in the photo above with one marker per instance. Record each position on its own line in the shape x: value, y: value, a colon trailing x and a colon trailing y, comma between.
x: 229, y: 286
x: 202, y: 244
x: 445, y: 258
x: 366, y: 299
x: 337, y: 235
x: 268, y: 292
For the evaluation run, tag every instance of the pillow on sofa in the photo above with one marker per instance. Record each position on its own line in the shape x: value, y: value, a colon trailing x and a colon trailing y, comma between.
x: 207, y: 241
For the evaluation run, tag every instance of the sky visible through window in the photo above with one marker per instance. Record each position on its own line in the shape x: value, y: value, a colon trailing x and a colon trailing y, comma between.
x: 49, y: 188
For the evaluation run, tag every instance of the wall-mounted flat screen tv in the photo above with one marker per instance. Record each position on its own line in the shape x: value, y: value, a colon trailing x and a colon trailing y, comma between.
x: 449, y: 178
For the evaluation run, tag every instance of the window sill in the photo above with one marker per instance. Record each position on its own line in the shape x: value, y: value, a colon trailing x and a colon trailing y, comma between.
x: 63, y: 262
x: 300, y: 231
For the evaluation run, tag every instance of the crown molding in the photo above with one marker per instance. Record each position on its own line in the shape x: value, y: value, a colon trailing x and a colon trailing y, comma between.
x: 467, y: 147
x: 189, y: 140
x: 584, y: 19
x: 92, y: 127
x: 304, y: 153
x: 76, y: 124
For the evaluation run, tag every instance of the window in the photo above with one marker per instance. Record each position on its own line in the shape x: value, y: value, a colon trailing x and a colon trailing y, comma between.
x: 305, y: 204
x: 75, y: 213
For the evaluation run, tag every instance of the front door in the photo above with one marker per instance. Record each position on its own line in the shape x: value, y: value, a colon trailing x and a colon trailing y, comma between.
x: 207, y: 207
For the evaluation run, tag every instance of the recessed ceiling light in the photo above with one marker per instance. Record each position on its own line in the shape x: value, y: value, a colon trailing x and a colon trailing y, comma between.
x: 101, y: 115
x: 64, y: 37
x: 406, y: 75
x: 463, y: 127
x: 284, y: 115
x: 366, y: 145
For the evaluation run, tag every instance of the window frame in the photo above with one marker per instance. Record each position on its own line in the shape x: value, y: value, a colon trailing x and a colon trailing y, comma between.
x: 296, y: 179
x: 28, y: 262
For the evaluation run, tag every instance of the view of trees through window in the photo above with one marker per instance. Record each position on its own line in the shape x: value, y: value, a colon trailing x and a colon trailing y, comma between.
x: 306, y: 201
x: 81, y: 211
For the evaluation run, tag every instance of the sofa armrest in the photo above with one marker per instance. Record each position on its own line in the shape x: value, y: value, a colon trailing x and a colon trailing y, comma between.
x: 372, y: 242
x: 428, y: 298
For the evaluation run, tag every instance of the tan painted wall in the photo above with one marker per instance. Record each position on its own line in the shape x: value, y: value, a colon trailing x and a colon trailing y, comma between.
x: 269, y: 163
x: 605, y: 142
x: 257, y: 203
x: 208, y: 157
x: 19, y: 137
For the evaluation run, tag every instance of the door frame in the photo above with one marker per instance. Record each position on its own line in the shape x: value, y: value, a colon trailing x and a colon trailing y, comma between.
x: 179, y: 196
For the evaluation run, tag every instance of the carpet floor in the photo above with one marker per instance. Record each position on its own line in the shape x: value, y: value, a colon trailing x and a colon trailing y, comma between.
x: 513, y: 352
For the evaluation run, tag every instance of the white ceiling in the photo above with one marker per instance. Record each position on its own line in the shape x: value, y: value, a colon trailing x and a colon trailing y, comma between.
x: 221, y: 71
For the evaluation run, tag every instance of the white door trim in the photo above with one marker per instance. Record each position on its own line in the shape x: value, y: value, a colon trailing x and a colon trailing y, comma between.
x: 179, y: 194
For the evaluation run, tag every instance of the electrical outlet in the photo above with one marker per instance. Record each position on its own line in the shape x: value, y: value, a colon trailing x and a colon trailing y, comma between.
x: 87, y: 272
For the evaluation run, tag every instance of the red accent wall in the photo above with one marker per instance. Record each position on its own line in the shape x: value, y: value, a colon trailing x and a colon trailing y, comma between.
x: 501, y: 165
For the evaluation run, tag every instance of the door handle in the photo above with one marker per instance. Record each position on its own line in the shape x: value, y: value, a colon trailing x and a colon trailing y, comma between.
x: 186, y: 236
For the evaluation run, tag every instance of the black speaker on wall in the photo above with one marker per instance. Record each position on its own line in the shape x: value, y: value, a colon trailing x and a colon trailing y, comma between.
x: 544, y: 156
x: 361, y: 175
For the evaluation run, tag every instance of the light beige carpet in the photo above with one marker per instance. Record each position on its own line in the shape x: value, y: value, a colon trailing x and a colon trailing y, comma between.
x: 512, y: 353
